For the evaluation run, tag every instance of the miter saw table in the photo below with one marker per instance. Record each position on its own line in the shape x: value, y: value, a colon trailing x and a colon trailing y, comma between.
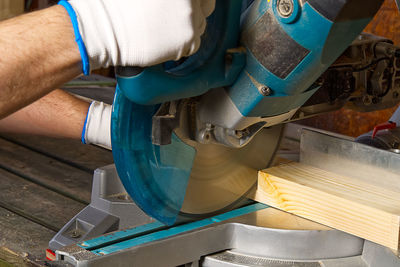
x: 252, y: 235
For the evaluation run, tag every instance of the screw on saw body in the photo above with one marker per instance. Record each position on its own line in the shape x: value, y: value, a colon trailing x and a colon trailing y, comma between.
x: 266, y: 91
x: 285, y: 7
x: 205, y: 135
x: 75, y: 233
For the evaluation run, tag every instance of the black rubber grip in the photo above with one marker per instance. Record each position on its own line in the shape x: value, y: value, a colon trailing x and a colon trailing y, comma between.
x: 128, y: 71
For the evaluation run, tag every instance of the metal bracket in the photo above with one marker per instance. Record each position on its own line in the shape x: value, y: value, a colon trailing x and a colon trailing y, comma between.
x: 164, y: 122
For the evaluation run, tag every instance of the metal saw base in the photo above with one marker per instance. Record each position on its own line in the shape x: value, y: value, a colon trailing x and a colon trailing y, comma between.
x: 236, y: 238
x: 110, y: 210
x: 230, y: 239
x: 241, y: 237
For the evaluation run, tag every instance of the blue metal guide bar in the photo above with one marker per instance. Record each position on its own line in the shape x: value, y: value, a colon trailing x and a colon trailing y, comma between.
x: 96, y: 243
x: 120, y: 235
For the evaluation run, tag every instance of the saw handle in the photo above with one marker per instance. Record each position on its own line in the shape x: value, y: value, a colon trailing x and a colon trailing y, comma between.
x: 128, y: 71
x: 216, y: 64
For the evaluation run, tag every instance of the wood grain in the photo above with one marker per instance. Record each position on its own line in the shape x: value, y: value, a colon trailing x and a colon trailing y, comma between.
x: 46, y: 171
x: 35, y: 202
x: 72, y: 152
x: 344, y: 203
x: 22, y: 237
x: 277, y: 219
x: 11, y: 8
x: 9, y: 258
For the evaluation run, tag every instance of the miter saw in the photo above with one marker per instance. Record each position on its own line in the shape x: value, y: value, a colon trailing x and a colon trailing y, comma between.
x: 188, y: 137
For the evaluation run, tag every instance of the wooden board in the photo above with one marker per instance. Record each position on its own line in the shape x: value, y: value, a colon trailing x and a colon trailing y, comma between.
x: 69, y: 151
x: 22, y: 239
x: 35, y: 202
x: 277, y: 219
x: 11, y: 8
x: 46, y: 171
x: 347, y: 204
x: 43, y: 184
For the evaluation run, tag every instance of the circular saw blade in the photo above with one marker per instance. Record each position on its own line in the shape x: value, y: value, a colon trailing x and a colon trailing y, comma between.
x: 185, y: 180
x: 222, y: 176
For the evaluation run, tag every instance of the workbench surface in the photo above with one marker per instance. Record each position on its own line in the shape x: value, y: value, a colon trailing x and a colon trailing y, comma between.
x: 44, y: 182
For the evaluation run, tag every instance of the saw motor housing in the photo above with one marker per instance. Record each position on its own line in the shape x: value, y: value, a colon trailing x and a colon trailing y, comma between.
x: 283, y: 48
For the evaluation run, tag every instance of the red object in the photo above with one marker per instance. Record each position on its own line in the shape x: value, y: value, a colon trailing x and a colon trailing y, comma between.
x: 383, y: 126
x: 50, y: 255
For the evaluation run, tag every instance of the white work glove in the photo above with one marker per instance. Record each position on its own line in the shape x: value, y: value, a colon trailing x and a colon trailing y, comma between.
x: 140, y: 32
x: 97, y: 128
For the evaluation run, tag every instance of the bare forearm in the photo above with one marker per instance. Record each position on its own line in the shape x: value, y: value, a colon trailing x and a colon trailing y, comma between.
x: 39, y: 54
x: 57, y: 114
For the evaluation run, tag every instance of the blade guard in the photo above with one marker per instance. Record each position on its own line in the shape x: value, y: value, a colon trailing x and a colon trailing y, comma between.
x: 156, y: 177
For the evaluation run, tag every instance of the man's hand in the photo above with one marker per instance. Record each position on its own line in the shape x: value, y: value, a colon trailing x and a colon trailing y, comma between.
x: 60, y: 114
x: 140, y: 32
x: 96, y: 129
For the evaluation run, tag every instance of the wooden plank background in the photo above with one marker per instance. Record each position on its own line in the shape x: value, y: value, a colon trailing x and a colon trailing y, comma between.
x: 11, y: 8
x: 44, y: 182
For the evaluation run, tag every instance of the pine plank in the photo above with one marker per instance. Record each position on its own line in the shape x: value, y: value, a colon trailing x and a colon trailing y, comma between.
x: 344, y: 203
x: 72, y: 152
x: 35, y: 202
x: 277, y: 219
x: 46, y: 171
